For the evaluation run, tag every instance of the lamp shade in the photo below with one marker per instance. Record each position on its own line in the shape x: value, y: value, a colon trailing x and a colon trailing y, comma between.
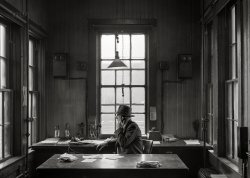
x: 117, y: 63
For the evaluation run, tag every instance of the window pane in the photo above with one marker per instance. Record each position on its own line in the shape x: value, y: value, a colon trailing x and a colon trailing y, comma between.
x: 2, y: 40
x: 138, y: 108
x: 30, y: 137
x: 108, y: 123
x: 107, y: 77
x: 7, y: 108
x: 229, y: 100
x: 233, y: 27
x: 138, y: 46
x: 107, y: 96
x: 3, y: 73
x: 235, y: 138
x: 138, y: 64
x: 1, y: 108
x: 122, y: 77
x: 34, y: 131
x: 34, y: 105
x: 30, y: 99
x: 234, y: 64
x: 7, y: 140
x: 123, y: 46
x: 31, y: 53
x: 107, y: 108
x: 138, y: 77
x: 138, y: 95
x: 31, y: 79
x: 108, y: 47
x: 119, y: 98
x: 229, y: 138
x: 140, y: 120
x: 1, y: 141
x: 235, y: 104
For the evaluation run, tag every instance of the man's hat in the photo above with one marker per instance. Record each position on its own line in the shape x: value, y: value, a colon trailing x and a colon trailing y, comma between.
x: 124, y: 111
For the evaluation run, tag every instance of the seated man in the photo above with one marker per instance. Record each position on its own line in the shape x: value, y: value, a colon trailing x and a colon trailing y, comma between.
x: 128, y: 135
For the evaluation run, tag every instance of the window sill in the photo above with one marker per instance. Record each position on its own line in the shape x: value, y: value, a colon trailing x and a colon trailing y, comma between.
x: 224, y: 165
x: 13, y: 160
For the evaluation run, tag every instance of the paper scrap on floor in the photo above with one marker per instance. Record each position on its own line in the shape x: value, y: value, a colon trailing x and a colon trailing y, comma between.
x: 218, y: 176
x: 112, y: 156
x: 92, y: 156
x: 192, y: 142
x: 88, y: 160
x: 50, y: 140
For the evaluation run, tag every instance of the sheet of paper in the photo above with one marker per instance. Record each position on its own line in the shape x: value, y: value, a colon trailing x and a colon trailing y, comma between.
x: 156, y: 142
x: 192, y: 142
x: 92, y: 141
x: 218, y: 176
x: 113, y: 156
x: 92, y: 157
x: 64, y: 142
x: 88, y: 160
x: 50, y: 140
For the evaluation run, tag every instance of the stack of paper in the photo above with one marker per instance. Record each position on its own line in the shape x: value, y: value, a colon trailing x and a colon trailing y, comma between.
x: 192, y: 142
x: 67, y: 157
x: 113, y: 156
x: 50, y: 140
x: 92, y: 141
x: 218, y: 176
x: 97, y: 156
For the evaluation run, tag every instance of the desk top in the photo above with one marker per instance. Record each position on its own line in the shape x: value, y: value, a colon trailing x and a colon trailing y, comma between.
x: 127, y: 162
x: 62, y: 144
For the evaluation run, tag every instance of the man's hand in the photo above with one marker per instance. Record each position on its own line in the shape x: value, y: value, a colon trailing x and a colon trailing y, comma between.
x: 119, y: 122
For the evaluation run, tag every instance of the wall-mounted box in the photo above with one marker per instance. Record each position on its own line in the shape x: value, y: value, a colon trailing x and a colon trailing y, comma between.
x: 60, y: 68
x: 185, y: 66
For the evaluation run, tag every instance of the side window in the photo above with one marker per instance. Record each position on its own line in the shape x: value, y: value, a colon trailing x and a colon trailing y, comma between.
x: 6, y: 95
x: 231, y: 89
x: 33, y: 91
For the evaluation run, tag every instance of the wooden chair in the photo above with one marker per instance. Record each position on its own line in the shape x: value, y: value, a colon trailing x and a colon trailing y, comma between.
x: 147, y: 146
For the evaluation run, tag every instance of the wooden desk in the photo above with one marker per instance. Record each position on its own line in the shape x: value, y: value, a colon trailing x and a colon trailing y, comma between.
x: 172, y: 167
x: 191, y: 155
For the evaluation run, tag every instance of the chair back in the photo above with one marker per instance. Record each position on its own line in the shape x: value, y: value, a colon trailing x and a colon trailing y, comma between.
x: 147, y: 146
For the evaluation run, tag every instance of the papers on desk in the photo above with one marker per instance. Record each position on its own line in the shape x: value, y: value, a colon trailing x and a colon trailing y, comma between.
x: 192, y: 142
x: 92, y: 156
x: 63, y: 142
x: 112, y: 156
x: 156, y: 142
x: 218, y: 176
x: 67, y: 157
x: 91, y: 141
x: 50, y: 140
x: 88, y: 160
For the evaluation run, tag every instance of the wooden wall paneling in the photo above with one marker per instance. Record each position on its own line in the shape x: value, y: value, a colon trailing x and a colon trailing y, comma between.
x: 172, y: 38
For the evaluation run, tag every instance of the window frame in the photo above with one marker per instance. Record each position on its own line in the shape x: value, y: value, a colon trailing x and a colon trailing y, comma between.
x: 7, y: 89
x: 123, y: 31
x: 231, y: 82
x: 33, y: 121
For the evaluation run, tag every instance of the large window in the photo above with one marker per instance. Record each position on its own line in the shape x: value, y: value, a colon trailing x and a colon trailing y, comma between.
x: 33, y: 91
x: 231, y: 84
x: 125, y: 85
x: 6, y: 121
